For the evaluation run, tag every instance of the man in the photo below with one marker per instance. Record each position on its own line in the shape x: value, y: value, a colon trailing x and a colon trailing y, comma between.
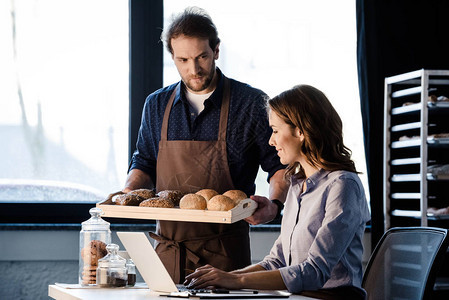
x: 206, y: 131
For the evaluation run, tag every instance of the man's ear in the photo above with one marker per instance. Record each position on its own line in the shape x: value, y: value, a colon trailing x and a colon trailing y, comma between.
x: 217, y: 51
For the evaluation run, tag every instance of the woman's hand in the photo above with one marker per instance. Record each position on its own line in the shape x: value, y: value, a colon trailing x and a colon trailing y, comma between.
x: 266, y: 211
x: 208, y: 276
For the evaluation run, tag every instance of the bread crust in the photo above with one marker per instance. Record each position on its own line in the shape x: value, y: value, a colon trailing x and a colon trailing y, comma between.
x: 172, y: 195
x: 128, y: 199
x: 207, y: 193
x: 193, y: 201
x: 220, y: 203
x: 144, y: 193
x: 157, y: 202
x: 236, y: 195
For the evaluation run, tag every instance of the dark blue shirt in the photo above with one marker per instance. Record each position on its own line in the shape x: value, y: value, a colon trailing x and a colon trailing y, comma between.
x: 247, y: 133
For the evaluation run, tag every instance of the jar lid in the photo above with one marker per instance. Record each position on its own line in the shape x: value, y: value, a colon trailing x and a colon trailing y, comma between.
x: 130, y: 263
x: 112, y: 259
x: 95, y: 222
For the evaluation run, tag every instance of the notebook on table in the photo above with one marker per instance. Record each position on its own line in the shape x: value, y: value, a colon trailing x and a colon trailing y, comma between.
x: 158, y: 279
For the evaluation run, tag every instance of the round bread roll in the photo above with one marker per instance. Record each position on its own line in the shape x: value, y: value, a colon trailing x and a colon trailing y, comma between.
x: 235, y: 195
x: 144, y: 193
x: 128, y: 199
x: 220, y: 202
x: 207, y: 193
x: 157, y: 202
x: 172, y: 195
x: 193, y: 201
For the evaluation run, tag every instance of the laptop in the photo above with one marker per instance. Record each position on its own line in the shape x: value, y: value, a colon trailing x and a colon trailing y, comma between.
x: 158, y: 279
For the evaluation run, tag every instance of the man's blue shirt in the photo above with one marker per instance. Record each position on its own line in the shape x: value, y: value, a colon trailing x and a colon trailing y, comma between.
x: 247, y: 133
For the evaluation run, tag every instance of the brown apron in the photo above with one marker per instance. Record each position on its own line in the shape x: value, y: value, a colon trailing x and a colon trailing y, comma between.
x: 190, y: 166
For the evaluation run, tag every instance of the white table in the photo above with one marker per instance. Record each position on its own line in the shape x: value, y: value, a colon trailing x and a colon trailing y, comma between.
x: 60, y: 293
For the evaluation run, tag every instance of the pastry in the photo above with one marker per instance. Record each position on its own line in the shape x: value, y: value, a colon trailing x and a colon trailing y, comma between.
x: 235, y: 195
x: 172, y: 195
x: 193, y: 201
x: 128, y: 199
x: 87, y: 281
x: 93, y: 252
x: 207, y: 193
x: 144, y: 193
x: 157, y: 202
x: 89, y: 273
x: 221, y: 203
x: 89, y: 276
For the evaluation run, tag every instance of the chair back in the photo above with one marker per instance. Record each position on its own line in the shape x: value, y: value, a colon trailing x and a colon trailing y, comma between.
x: 404, y: 263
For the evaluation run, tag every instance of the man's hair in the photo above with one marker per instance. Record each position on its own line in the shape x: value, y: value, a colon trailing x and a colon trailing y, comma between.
x: 193, y: 22
x: 308, y: 109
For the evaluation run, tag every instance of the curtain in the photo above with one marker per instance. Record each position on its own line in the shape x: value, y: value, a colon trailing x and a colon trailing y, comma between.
x: 393, y: 37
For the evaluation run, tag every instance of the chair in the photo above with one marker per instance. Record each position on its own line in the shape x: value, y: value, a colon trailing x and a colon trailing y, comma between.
x: 405, y: 262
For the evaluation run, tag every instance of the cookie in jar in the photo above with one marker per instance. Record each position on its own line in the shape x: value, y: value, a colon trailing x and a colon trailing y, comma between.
x: 95, y: 235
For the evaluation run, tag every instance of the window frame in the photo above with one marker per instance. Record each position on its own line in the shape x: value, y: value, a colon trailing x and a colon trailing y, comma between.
x: 145, y: 76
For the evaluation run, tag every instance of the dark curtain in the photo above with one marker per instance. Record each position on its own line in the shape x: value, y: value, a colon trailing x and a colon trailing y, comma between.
x: 393, y: 37
x: 145, y: 59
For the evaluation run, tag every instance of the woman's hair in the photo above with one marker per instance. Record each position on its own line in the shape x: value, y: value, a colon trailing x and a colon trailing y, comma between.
x: 308, y: 109
x: 192, y: 22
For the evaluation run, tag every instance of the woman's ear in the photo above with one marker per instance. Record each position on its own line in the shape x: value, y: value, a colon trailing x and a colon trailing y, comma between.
x: 299, y: 134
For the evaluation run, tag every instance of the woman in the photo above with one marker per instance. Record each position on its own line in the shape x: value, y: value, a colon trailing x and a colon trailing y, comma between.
x: 320, y: 245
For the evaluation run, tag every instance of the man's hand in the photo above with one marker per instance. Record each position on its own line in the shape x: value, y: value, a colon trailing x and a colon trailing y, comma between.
x: 126, y: 190
x: 109, y: 197
x: 266, y: 211
x: 137, y: 179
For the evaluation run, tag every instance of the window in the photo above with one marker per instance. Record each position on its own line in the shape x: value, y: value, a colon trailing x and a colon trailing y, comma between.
x: 65, y: 92
x: 274, y: 45
x: 64, y: 109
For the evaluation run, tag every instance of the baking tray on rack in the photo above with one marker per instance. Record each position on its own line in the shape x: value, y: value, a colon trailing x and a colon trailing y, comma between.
x: 244, y: 209
x: 431, y: 176
x: 438, y: 141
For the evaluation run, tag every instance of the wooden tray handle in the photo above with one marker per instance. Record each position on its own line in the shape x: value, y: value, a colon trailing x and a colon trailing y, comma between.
x: 245, y: 204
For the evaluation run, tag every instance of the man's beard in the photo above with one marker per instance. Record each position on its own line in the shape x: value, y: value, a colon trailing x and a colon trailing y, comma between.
x: 205, y: 85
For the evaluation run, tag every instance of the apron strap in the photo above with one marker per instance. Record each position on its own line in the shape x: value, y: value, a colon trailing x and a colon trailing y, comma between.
x: 224, y: 111
x: 164, y: 129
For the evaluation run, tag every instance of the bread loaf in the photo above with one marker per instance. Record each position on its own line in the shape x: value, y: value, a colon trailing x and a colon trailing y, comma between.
x: 172, y: 195
x: 144, y: 193
x: 235, y: 195
x: 128, y: 199
x: 221, y: 203
x: 193, y: 201
x: 157, y: 202
x: 207, y: 193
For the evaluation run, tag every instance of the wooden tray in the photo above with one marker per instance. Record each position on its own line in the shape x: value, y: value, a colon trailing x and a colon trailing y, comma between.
x: 243, y: 210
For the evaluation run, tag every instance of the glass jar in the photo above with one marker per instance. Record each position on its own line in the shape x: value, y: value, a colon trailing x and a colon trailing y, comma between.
x: 131, y: 269
x: 111, y: 271
x: 95, y: 235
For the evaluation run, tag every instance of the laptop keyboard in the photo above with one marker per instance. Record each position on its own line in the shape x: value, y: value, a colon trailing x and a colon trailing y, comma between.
x: 183, y: 288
